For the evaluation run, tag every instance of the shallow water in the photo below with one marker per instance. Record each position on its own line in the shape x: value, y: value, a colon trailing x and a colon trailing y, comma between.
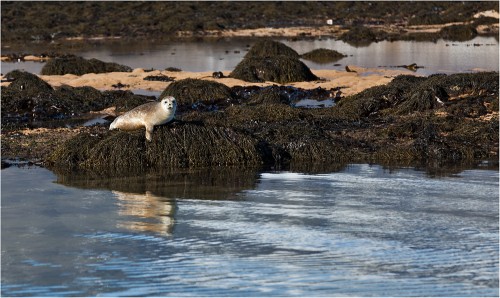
x: 224, y: 54
x: 363, y: 231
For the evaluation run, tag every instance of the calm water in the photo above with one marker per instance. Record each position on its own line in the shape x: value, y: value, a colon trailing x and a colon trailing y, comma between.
x: 362, y: 231
x: 225, y: 54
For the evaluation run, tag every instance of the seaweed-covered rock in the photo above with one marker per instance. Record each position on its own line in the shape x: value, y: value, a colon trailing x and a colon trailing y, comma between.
x: 125, y: 100
x: 270, y: 95
x: 185, y: 145
x: 80, y: 66
x: 360, y: 35
x: 27, y: 82
x: 408, y: 94
x: 323, y: 55
x: 458, y: 32
x: 400, y: 121
x: 272, y: 61
x: 192, y: 91
x: 279, y: 69
x: 267, y: 47
x: 438, y: 90
x: 29, y: 98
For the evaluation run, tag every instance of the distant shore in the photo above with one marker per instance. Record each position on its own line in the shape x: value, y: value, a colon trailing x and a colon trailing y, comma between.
x: 57, y: 21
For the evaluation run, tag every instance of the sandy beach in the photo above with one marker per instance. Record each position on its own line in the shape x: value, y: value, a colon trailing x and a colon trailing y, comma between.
x: 351, y: 82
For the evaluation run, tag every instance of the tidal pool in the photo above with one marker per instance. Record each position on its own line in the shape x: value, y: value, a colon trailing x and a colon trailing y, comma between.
x: 362, y: 230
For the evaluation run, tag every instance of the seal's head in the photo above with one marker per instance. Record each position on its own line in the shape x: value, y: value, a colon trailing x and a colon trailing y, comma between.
x: 169, y: 104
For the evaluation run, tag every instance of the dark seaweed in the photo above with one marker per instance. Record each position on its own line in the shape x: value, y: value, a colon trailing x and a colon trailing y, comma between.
x: 53, y: 20
x: 80, y: 66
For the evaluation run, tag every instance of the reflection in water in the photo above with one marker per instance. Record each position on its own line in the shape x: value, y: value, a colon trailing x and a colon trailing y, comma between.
x: 208, y: 184
x: 147, y: 201
x: 151, y: 213
x: 363, y: 230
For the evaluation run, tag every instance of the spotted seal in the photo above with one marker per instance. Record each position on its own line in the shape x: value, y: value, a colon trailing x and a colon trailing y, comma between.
x: 147, y: 115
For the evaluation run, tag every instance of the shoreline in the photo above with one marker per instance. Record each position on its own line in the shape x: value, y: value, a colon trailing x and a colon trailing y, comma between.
x: 393, y: 31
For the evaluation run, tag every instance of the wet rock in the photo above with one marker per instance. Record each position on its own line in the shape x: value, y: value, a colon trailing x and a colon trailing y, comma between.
x: 323, y: 55
x: 412, y: 67
x: 173, y: 69
x: 348, y: 69
x: 80, y: 66
x: 217, y: 75
x: 119, y: 85
x: 5, y: 164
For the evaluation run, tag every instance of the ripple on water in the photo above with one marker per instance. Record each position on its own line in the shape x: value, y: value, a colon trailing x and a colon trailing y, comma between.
x: 362, y: 231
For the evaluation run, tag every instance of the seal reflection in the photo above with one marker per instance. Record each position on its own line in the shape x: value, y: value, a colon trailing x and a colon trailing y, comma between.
x: 145, y: 212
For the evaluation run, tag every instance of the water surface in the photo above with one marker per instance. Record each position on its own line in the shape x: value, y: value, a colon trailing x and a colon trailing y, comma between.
x: 363, y: 230
x: 441, y: 56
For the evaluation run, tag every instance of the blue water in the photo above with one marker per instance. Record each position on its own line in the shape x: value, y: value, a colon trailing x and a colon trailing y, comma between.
x: 361, y: 231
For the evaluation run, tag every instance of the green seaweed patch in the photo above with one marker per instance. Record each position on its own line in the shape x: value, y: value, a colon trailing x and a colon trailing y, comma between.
x: 192, y: 91
x: 323, y: 55
x: 279, y: 69
x: 80, y: 66
x: 267, y: 47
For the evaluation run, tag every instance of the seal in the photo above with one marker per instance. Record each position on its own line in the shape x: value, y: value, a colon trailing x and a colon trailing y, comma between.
x: 147, y: 115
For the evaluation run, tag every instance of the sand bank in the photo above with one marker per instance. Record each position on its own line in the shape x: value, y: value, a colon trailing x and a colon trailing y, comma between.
x: 352, y: 82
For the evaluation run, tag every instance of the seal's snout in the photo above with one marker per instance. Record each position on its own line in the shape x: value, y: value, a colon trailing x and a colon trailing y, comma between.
x: 170, y: 103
